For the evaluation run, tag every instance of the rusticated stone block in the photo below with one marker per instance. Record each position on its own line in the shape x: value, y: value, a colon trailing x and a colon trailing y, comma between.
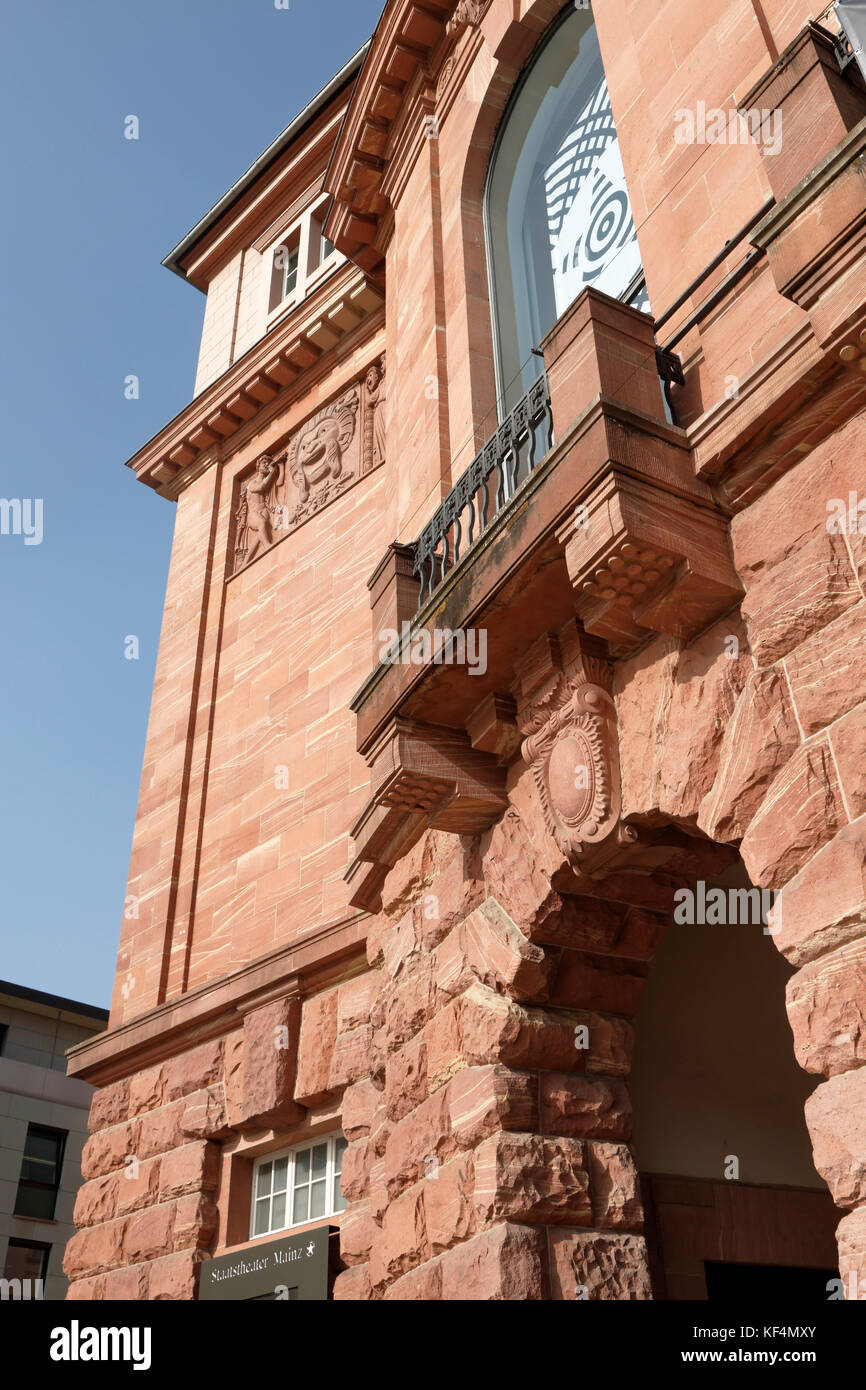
x: 88, y: 1290
x: 531, y: 1177
x: 192, y: 1071
x: 609, y: 983
x: 505, y: 1264
x: 421, y: 1285
x: 418, y: 1139
x: 233, y: 1067
x: 851, y: 1235
x: 146, y: 1090
x: 827, y: 1011
x: 483, y: 1100
x: 407, y: 1002
x: 401, y: 1243
x: 149, y: 1233
x: 95, y: 1250
x: 174, y: 1277
x: 126, y: 1285
x: 586, y: 1265
x: 848, y: 740
x: 614, y: 1187
x: 109, y: 1106
x: 761, y: 736
x: 836, y: 1118
x: 270, y: 1065
x: 814, y: 585
x: 449, y: 1214
x: 96, y: 1202
x: 192, y: 1168
x: 355, y: 1172
x: 802, y: 810
x: 585, y: 1107
x: 360, y: 1103
x: 827, y: 673
x: 161, y: 1130
x: 204, y: 1115
x: 195, y: 1221
x: 316, y: 1048
x: 824, y: 906
x: 352, y: 1285
x: 489, y: 947
x: 137, y: 1185
x: 109, y: 1149
x: 350, y: 1060
x: 357, y: 1233
x: 406, y: 1078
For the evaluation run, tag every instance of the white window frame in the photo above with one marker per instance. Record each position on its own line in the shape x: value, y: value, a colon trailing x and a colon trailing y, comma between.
x: 313, y: 266
x: 331, y: 1175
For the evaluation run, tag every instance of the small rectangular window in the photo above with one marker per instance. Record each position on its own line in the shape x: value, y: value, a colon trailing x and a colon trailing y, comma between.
x: 328, y: 247
x: 300, y: 1185
x: 4, y: 1030
x: 26, y: 1260
x: 284, y: 270
x: 41, y: 1168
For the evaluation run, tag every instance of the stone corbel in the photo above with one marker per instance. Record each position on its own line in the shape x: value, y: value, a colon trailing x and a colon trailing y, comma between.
x: 423, y: 776
x: 644, y: 560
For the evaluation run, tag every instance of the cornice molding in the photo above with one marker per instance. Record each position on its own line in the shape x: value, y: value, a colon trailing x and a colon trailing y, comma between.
x: 281, y: 359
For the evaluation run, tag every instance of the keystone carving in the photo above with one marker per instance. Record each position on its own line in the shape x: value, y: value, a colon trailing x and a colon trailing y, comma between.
x: 572, y: 749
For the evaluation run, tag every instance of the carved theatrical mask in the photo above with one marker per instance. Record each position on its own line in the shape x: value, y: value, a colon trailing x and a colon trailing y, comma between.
x: 316, y: 457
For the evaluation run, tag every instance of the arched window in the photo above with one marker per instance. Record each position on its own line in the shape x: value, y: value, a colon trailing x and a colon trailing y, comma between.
x: 557, y: 212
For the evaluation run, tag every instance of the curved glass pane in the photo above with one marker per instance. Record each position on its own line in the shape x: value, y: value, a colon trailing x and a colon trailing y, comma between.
x: 558, y: 213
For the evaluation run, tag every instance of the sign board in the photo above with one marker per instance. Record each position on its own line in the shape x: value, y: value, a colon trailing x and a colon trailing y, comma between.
x: 294, y: 1267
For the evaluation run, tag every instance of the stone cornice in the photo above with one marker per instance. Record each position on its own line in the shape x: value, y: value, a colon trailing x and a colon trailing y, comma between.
x: 322, y: 957
x: 279, y: 360
x: 407, y: 36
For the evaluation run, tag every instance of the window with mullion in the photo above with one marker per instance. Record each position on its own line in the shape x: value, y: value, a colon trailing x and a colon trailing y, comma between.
x: 298, y: 1186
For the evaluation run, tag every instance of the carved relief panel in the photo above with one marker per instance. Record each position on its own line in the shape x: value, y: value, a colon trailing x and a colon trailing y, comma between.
x: 323, y: 457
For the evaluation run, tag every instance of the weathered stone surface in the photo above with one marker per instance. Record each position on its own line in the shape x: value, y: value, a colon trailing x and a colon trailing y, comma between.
x: 760, y: 737
x: 802, y: 811
x: 192, y: 1168
x: 357, y: 1233
x: 585, y: 1107
x: 827, y: 1011
x: 851, y: 1235
x: 316, y: 1047
x: 95, y: 1249
x: 608, y: 983
x: 402, y: 1241
x: 417, y: 1140
x: 137, y: 1185
x: 674, y: 702
x: 501, y: 957
x: 195, y: 1221
x: 146, y: 1090
x: 174, y: 1277
x: 824, y: 906
x: 194, y: 1070
x: 90, y: 1290
x: 482, y: 1100
x: 109, y: 1149
x: 614, y: 1187
x: 448, y: 1208
x: 161, y: 1129
x: 96, y: 1202
x: 827, y: 673
x: 519, y: 858
x: 531, y: 1177
x: 360, y: 1103
x: 586, y: 1265
x: 836, y: 1117
x: 799, y: 596
x: 352, y: 1285
x: 204, y: 1114
x: 126, y: 1285
x: 149, y: 1233
x: 270, y: 1065
x: 421, y: 1285
x: 109, y: 1106
x: 350, y: 1060
x: 848, y: 741
x: 505, y: 1264
x: 406, y: 1078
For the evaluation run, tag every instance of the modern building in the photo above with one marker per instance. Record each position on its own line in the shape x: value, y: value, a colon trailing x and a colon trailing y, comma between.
x: 503, y: 811
x: 43, y: 1126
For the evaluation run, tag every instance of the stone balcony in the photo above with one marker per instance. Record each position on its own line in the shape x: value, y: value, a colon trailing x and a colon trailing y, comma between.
x: 605, y: 541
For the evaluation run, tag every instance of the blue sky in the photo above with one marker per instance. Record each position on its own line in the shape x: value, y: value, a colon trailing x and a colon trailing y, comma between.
x: 85, y: 302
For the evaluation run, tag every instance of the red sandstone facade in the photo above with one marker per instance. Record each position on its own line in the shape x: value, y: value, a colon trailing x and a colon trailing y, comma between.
x: 371, y: 897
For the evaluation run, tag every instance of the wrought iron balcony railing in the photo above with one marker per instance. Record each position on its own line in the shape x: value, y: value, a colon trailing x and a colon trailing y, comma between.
x: 487, y: 486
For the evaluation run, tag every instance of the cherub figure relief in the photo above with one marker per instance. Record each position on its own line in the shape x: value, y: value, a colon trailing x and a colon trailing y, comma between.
x: 255, y: 530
